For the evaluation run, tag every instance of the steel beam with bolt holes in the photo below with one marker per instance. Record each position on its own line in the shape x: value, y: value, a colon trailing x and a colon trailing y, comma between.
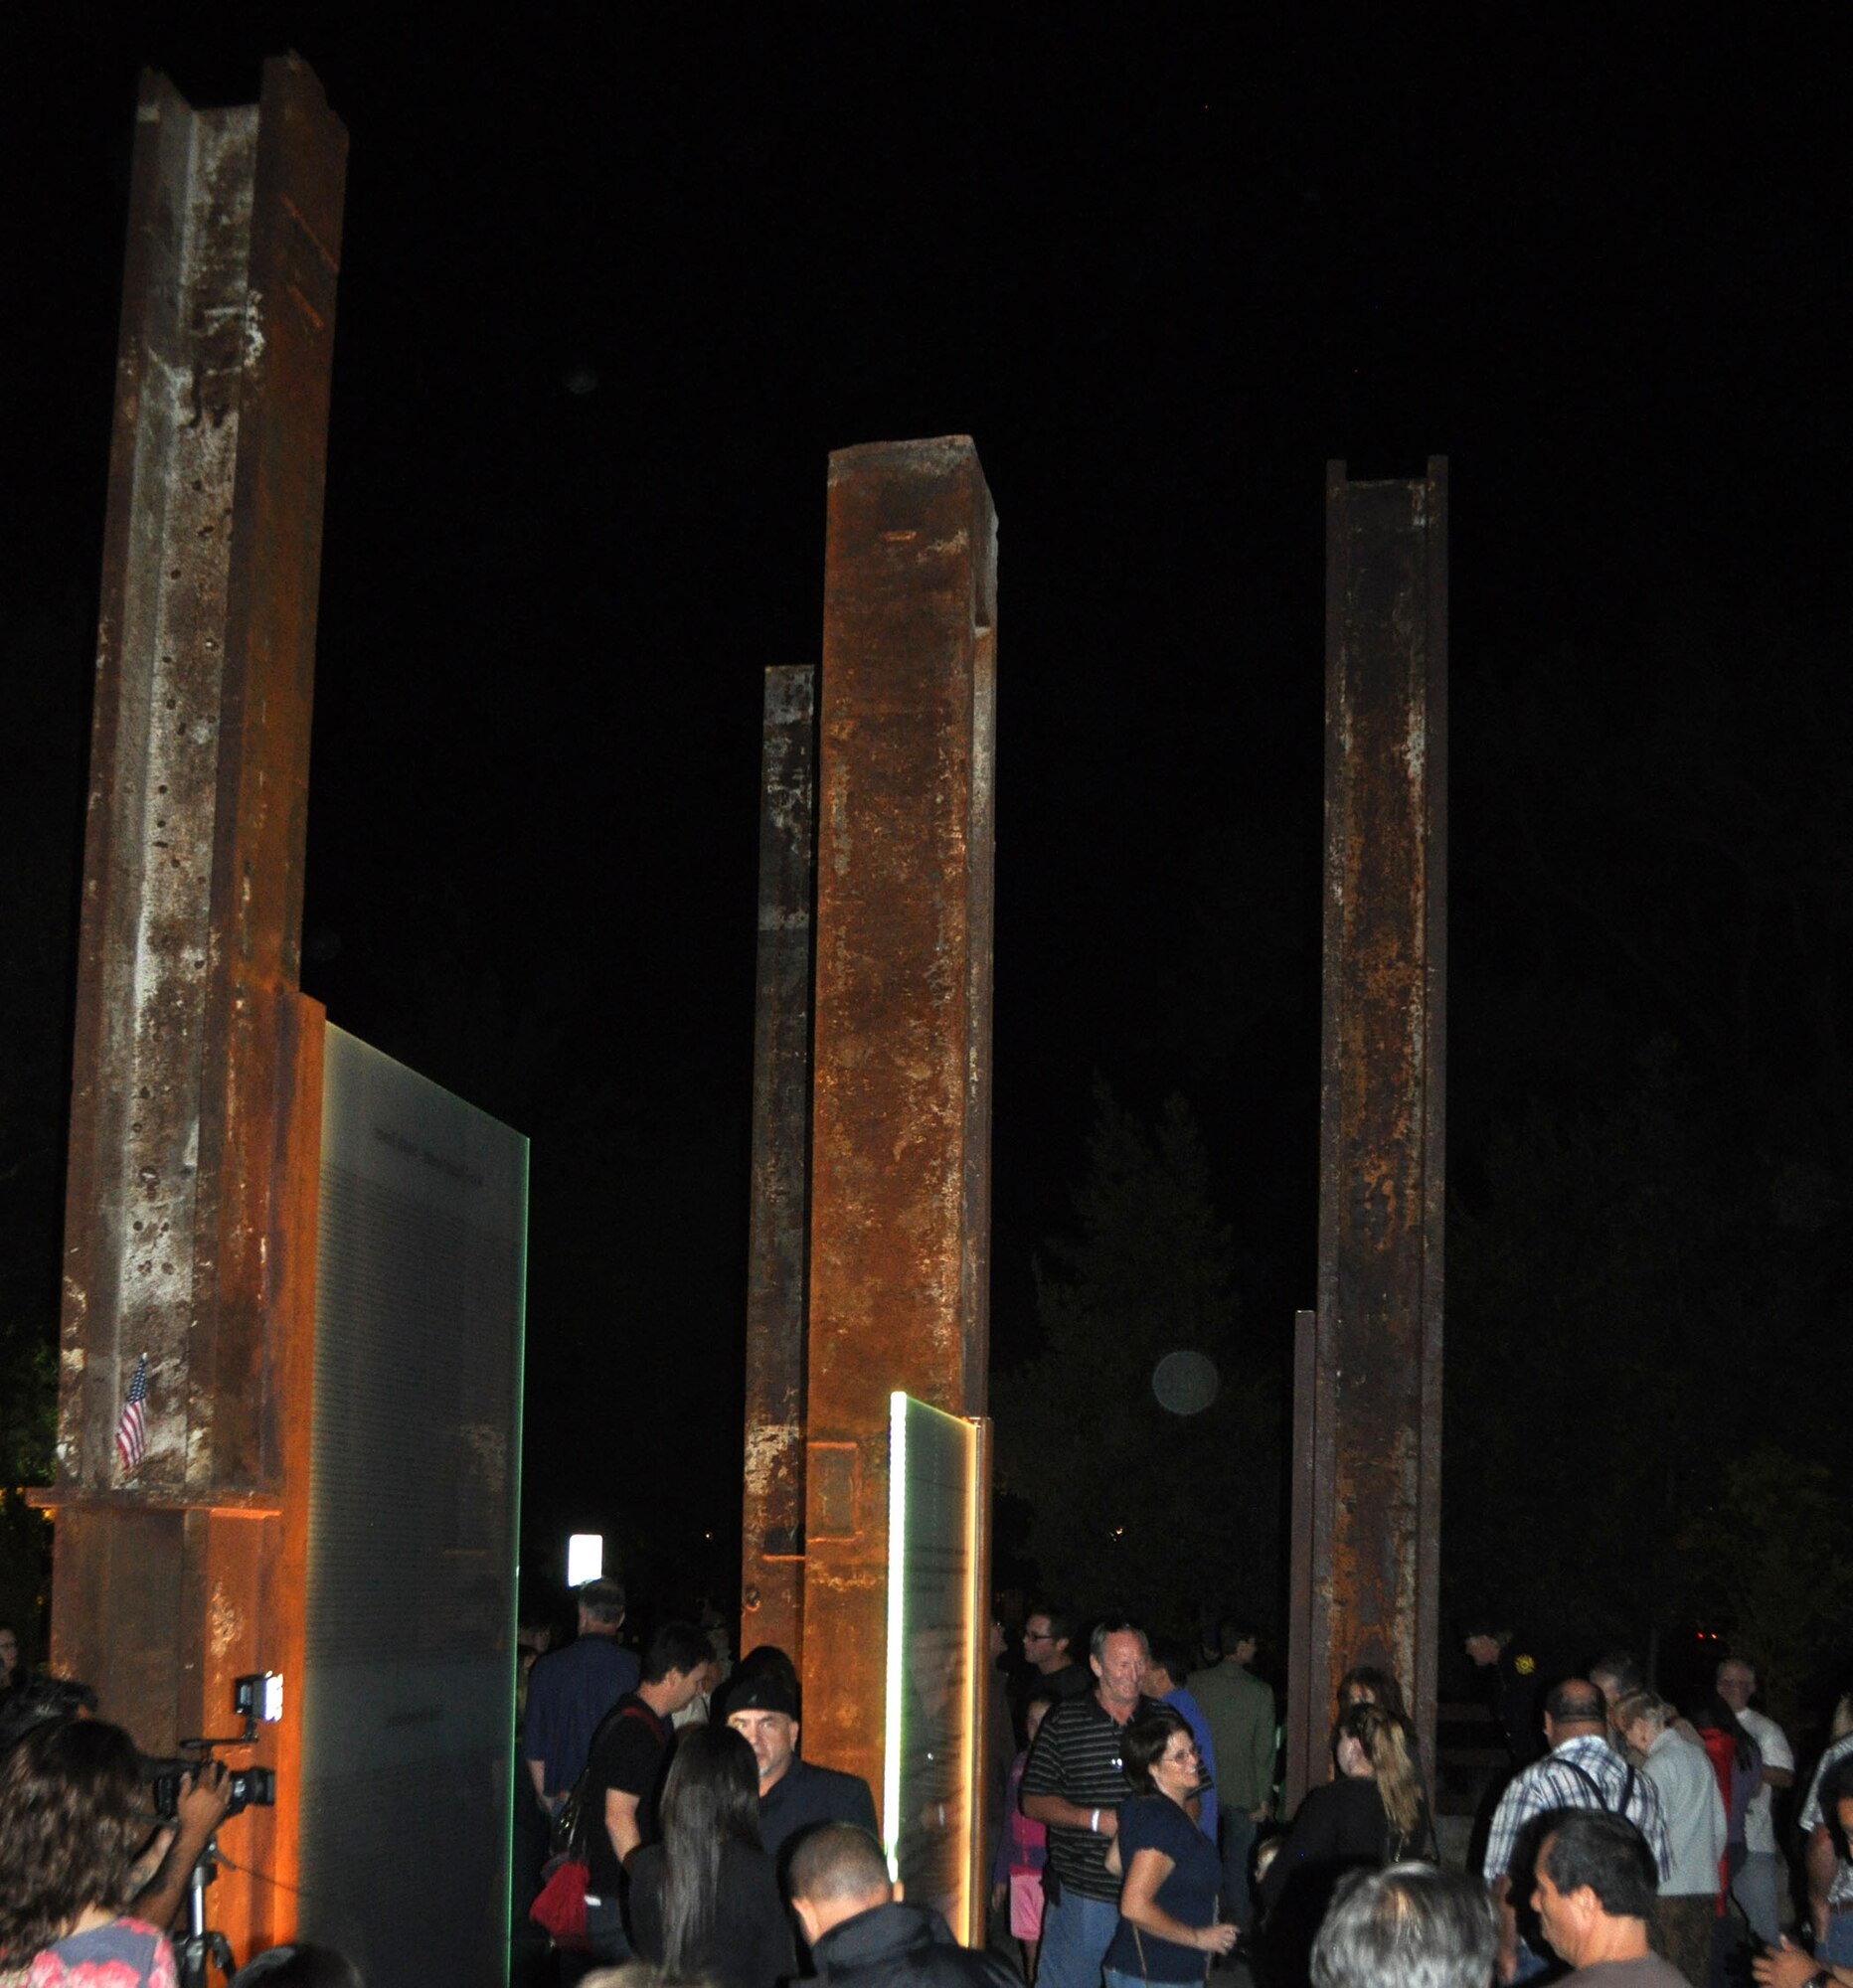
x: 900, y: 1222
x: 190, y: 1216
x: 771, y: 1575
x: 1367, y: 1515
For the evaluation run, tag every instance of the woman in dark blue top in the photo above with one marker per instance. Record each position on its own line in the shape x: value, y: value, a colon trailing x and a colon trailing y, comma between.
x: 1167, y: 1927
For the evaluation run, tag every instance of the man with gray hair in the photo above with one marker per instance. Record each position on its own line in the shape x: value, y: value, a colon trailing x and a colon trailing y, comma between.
x: 1410, y: 1927
x: 1075, y: 1782
x: 571, y: 1691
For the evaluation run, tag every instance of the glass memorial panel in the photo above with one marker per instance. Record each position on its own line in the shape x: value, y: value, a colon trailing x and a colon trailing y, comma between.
x: 938, y: 1638
x: 408, y: 1685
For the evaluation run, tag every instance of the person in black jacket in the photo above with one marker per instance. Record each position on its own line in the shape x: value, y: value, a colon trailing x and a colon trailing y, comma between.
x: 794, y: 1796
x: 1372, y: 1812
x: 861, y: 1935
x: 703, y: 1902
x: 1513, y: 1686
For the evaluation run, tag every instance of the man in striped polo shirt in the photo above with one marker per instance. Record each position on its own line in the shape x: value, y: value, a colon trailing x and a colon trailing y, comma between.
x: 1075, y: 1782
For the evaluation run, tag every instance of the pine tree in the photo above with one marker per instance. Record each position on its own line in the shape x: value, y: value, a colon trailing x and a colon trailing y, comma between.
x: 1134, y: 1506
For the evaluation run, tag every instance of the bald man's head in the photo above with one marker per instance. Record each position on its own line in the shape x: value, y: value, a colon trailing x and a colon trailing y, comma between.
x: 1573, y: 1708
x: 835, y: 1873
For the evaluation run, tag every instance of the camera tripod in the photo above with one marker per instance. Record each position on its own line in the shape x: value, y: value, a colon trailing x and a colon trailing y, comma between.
x: 201, y: 1944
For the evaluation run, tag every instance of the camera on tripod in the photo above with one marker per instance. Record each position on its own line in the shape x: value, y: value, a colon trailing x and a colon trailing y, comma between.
x: 246, y: 1787
x: 258, y: 1699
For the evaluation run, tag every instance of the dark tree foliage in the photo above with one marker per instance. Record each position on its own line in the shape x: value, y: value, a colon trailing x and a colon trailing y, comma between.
x: 1605, y: 1259
x: 1651, y: 1230
x: 44, y: 657
x: 1132, y: 1505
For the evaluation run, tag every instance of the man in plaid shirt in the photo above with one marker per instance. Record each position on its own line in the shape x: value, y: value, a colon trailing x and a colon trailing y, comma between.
x: 1830, y: 1879
x: 1581, y: 1770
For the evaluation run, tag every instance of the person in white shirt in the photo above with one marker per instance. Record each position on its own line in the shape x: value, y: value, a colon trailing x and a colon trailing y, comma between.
x: 1764, y: 1878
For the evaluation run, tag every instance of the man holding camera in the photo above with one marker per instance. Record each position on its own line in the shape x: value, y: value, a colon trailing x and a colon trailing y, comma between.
x: 157, y: 1880
x: 162, y: 1871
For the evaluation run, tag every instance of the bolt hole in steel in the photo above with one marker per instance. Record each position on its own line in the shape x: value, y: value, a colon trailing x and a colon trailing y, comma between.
x: 1186, y: 1383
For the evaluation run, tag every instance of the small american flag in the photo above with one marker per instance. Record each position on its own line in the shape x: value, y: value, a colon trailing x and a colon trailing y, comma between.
x: 132, y: 1434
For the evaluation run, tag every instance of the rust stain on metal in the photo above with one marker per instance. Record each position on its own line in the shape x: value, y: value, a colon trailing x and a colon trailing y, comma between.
x: 772, y: 1507
x: 901, y: 1098
x: 199, y: 778
x: 188, y: 1027
x: 1367, y: 1514
x: 226, y: 1626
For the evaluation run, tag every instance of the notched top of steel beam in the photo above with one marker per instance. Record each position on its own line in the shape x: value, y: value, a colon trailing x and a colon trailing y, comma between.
x: 898, y: 476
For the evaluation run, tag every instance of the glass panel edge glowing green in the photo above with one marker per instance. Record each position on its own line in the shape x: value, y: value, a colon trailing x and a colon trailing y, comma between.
x: 897, y: 1627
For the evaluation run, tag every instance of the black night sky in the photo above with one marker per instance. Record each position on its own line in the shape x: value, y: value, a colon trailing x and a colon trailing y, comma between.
x: 617, y: 280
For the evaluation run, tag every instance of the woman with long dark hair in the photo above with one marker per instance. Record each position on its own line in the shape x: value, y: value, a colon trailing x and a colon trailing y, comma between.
x: 704, y: 1902
x: 72, y: 1818
x: 1367, y: 1684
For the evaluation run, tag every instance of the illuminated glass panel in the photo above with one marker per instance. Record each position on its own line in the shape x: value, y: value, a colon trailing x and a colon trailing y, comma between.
x: 936, y: 1646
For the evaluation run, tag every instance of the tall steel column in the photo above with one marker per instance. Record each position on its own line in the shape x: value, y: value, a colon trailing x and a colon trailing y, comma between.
x: 1367, y: 1511
x: 771, y: 1575
x: 190, y: 1216
x: 902, y: 1090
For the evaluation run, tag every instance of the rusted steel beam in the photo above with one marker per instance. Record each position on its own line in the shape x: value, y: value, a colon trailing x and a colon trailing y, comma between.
x: 1376, y: 1410
x: 1306, y: 1723
x: 901, y: 1094
x: 773, y: 1510
x: 190, y: 1108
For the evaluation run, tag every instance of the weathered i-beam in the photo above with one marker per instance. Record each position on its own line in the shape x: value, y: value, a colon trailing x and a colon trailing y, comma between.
x: 1367, y: 1514
x: 772, y: 1584
x: 902, y: 1090
x: 190, y: 1216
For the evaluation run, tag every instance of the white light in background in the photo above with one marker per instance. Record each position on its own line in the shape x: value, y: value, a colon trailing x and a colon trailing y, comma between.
x: 585, y: 1558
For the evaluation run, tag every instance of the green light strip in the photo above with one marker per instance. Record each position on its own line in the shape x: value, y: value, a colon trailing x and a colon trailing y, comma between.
x: 896, y: 1628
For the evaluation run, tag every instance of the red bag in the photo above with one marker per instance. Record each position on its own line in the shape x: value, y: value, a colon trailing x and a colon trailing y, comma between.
x: 561, y: 1906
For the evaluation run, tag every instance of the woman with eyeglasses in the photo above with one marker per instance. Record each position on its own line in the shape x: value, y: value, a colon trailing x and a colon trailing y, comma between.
x: 1170, y: 1873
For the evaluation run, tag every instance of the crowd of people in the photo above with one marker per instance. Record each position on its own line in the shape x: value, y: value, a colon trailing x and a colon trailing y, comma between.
x: 1132, y: 1838
x: 692, y: 1842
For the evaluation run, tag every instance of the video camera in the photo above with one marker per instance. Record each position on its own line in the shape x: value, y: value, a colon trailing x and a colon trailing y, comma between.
x: 247, y: 1788
x: 258, y: 1699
